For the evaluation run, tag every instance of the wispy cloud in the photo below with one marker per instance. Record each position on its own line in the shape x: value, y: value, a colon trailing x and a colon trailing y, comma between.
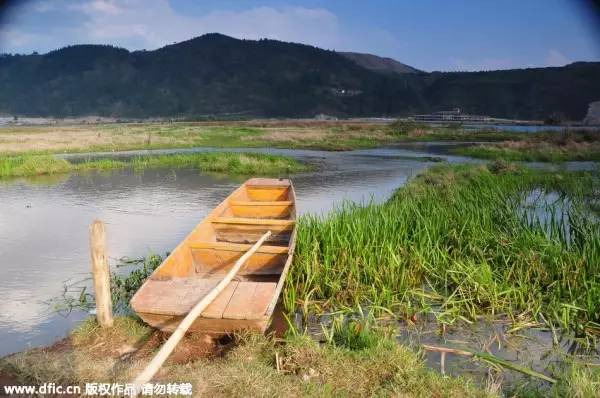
x: 556, y: 58
x: 149, y: 24
x: 44, y: 25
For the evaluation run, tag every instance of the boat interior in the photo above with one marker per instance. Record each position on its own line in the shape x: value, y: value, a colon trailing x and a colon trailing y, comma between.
x: 197, y: 265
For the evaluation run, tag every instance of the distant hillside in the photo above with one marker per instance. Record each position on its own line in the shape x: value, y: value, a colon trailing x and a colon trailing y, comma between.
x: 379, y: 64
x: 219, y: 75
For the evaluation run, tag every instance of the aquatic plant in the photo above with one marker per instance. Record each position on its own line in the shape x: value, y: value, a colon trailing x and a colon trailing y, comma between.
x: 455, y: 242
x: 123, y: 286
x: 26, y: 165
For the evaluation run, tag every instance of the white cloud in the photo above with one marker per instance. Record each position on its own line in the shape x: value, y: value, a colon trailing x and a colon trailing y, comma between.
x: 556, y: 58
x: 150, y: 24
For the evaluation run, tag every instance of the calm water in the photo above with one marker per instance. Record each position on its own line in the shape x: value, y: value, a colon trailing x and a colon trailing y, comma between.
x: 44, y: 222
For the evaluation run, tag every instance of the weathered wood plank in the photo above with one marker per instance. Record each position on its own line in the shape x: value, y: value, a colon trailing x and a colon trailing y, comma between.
x: 236, y: 309
x: 258, y: 304
x: 210, y: 262
x: 264, y: 212
x: 176, y: 296
x: 267, y: 194
x: 253, y: 221
x: 217, y: 307
x: 241, y: 247
x: 260, y: 204
x: 101, y: 274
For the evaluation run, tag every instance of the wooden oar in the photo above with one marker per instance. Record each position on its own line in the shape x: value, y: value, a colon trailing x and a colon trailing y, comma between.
x: 178, y: 334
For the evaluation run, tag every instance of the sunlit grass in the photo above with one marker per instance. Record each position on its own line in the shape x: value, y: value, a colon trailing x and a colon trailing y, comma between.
x: 456, y: 242
x: 221, y: 162
x: 544, y: 147
x: 542, y: 153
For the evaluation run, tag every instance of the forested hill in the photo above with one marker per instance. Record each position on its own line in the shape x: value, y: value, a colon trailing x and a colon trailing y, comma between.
x: 219, y: 75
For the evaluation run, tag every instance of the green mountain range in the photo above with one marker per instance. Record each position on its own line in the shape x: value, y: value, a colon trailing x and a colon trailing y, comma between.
x: 218, y: 75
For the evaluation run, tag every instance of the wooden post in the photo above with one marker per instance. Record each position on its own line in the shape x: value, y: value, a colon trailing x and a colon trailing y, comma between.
x: 101, y: 273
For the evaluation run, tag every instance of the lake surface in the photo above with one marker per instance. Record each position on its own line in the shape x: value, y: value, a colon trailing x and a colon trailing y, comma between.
x: 44, y: 221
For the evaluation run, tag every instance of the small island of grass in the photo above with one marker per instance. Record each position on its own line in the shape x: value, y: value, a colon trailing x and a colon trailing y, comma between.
x: 213, y: 162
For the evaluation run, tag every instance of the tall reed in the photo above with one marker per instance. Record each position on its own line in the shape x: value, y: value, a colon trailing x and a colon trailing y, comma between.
x: 458, y: 241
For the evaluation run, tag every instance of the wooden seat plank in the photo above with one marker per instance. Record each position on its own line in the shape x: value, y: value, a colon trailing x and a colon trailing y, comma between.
x: 241, y: 247
x: 252, y: 221
x: 267, y: 182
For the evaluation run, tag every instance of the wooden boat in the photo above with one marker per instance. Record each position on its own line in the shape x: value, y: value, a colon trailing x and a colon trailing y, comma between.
x: 197, y: 265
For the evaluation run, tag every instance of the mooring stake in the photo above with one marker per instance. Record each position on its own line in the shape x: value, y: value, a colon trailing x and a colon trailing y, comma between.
x: 101, y: 273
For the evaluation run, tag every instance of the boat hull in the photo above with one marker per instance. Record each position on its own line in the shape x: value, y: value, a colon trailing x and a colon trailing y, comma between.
x: 210, y: 326
x: 198, y: 263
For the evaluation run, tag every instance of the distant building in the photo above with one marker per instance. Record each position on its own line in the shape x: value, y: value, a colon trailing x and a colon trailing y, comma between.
x: 453, y: 116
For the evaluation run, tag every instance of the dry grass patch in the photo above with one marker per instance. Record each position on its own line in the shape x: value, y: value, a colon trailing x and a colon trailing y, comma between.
x: 127, y: 136
x: 255, y: 366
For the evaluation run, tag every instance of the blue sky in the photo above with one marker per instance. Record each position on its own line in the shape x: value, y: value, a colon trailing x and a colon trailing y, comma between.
x: 427, y: 34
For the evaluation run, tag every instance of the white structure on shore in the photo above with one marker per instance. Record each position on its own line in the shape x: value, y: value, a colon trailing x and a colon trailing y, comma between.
x: 455, y: 115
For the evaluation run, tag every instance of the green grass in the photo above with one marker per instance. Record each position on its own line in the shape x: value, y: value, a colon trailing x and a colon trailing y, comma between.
x: 575, y: 380
x: 542, y: 153
x: 544, y: 147
x: 224, y: 162
x: 26, y: 165
x: 219, y: 162
x: 456, y: 242
x: 417, y: 132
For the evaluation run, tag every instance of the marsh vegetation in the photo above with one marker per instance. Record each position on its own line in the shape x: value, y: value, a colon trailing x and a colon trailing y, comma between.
x: 458, y: 242
x: 218, y: 162
x: 544, y: 147
x: 130, y: 136
x: 299, y: 134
